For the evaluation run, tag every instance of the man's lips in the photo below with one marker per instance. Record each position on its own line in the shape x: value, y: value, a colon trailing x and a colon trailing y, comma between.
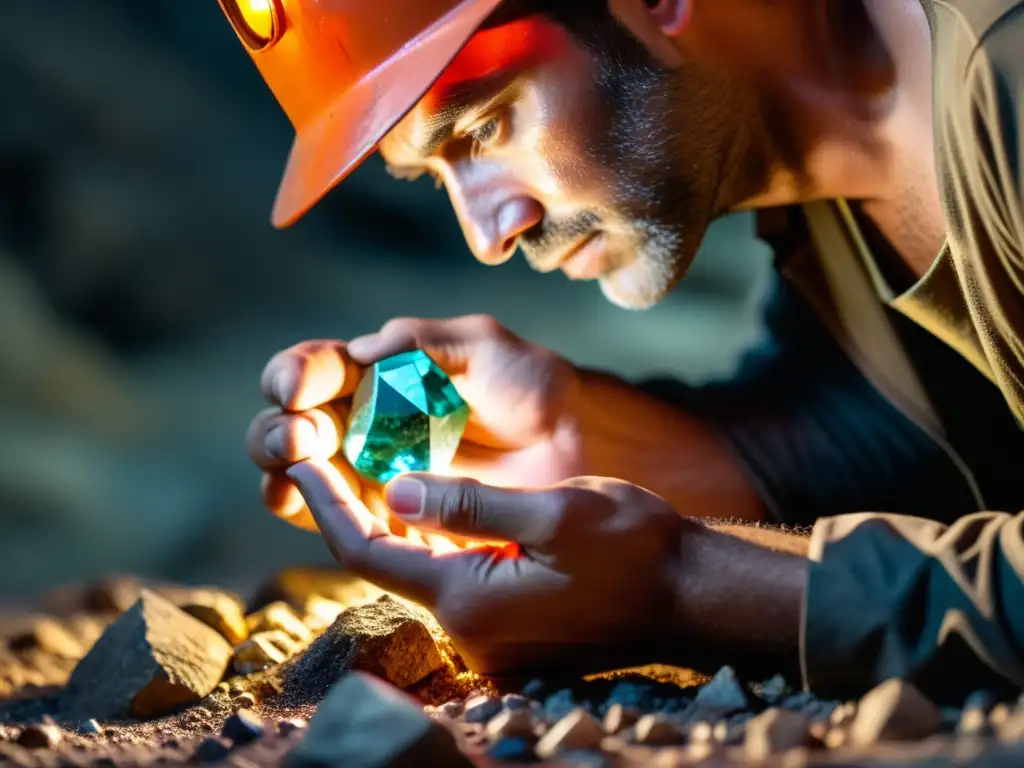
x: 584, y: 260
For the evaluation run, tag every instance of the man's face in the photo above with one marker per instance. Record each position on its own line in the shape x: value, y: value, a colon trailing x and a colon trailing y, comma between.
x: 593, y: 159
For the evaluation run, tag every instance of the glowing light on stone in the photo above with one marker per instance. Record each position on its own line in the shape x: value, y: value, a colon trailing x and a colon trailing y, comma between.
x: 406, y: 417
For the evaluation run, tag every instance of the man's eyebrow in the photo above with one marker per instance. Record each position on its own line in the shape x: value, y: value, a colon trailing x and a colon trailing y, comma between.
x: 451, y: 104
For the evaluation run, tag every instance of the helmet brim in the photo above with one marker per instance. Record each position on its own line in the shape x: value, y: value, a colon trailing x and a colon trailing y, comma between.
x: 328, y: 149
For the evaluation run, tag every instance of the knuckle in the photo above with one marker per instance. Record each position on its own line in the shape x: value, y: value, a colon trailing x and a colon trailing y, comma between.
x: 461, y: 503
x: 400, y: 327
x: 485, y: 325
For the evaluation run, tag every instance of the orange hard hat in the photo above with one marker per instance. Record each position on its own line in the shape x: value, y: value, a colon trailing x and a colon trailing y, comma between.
x: 345, y: 72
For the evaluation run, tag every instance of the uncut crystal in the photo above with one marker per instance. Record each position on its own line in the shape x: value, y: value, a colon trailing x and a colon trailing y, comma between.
x: 406, y: 417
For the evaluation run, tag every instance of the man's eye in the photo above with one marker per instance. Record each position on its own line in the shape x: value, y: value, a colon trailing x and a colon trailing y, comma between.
x: 488, y: 132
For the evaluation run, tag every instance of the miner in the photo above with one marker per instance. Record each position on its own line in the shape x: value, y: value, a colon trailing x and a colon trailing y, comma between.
x: 880, y: 143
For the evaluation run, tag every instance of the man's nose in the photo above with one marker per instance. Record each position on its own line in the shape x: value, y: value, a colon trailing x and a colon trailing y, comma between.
x: 492, y: 233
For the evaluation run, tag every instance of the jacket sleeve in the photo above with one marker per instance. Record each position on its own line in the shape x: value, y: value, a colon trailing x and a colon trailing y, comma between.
x: 979, y: 143
x: 896, y: 596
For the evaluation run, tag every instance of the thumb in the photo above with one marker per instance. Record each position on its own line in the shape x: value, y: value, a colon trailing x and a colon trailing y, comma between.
x: 470, y: 508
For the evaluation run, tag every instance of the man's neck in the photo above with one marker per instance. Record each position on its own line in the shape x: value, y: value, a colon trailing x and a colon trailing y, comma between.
x: 856, y: 123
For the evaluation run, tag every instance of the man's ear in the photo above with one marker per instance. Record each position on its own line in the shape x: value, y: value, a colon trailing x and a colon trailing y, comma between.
x: 656, y: 23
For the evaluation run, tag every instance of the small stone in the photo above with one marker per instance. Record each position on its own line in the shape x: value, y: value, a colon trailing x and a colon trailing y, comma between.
x: 89, y: 728
x: 577, y: 730
x: 1000, y: 714
x: 619, y: 717
x: 219, y: 611
x: 41, y: 736
x: 244, y: 701
x: 843, y: 714
x: 511, y: 722
x: 894, y: 711
x: 242, y: 727
x: 264, y: 650
x: 303, y: 587
x: 279, y: 616
x: 406, y: 417
x: 701, y: 732
x: 559, y: 704
x: 774, y: 690
x: 364, y: 722
x: 510, y: 749
x: 632, y: 694
x: 773, y: 731
x: 386, y: 638
x: 515, y: 701
x: 49, y: 636
x: 152, y: 659
x: 723, y: 695
x: 535, y: 689
x: 657, y: 731
x: 973, y: 720
x: 320, y: 613
x: 212, y: 749
x: 286, y: 727
x: 481, y: 708
x: 451, y: 709
x: 1012, y: 729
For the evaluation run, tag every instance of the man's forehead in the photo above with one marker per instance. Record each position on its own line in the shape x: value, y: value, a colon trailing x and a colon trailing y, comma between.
x: 511, y: 47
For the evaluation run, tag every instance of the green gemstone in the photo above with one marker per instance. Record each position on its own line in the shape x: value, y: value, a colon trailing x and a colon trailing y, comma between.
x: 406, y: 417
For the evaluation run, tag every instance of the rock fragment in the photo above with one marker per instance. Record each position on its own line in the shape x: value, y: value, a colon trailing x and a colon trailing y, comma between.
x: 384, y: 638
x: 511, y: 749
x: 519, y: 723
x: 657, y: 731
x: 288, y: 727
x: 242, y: 727
x: 153, y: 658
x: 577, y: 730
x: 619, y: 717
x: 264, y: 650
x: 40, y: 736
x: 49, y: 636
x: 364, y: 722
x: 515, y: 701
x: 894, y: 711
x: 89, y: 728
x: 301, y: 587
x: 480, y: 708
x: 217, y: 610
x: 723, y: 695
x: 773, y: 731
x: 279, y: 616
x: 213, y: 749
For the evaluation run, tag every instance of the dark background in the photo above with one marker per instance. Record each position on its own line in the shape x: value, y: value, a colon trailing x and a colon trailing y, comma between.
x: 142, y: 289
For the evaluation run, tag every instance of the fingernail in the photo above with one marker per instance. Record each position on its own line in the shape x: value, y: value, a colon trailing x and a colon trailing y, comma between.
x: 407, y: 497
x: 283, y: 386
x: 361, y: 346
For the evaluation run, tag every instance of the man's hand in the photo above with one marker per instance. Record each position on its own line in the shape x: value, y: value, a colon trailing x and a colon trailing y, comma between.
x: 523, y: 401
x: 598, y: 573
x: 536, y: 420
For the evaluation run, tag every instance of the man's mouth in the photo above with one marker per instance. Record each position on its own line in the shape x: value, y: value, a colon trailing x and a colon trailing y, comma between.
x: 586, y: 260
x: 583, y: 260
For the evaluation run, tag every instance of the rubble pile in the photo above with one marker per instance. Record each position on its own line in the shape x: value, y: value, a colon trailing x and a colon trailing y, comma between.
x: 320, y: 669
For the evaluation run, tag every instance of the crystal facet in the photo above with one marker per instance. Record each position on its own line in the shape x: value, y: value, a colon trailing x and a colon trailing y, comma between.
x: 406, y: 417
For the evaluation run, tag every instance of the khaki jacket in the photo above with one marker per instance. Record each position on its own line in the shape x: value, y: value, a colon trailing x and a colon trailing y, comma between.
x: 895, y: 596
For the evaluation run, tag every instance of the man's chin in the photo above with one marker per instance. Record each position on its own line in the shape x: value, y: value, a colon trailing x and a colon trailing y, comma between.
x: 627, y: 299
x: 634, y: 287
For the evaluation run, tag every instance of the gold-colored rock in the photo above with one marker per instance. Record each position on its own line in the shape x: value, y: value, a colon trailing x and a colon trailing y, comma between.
x: 263, y: 650
x: 279, y: 616
x: 153, y: 658
x: 217, y: 610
